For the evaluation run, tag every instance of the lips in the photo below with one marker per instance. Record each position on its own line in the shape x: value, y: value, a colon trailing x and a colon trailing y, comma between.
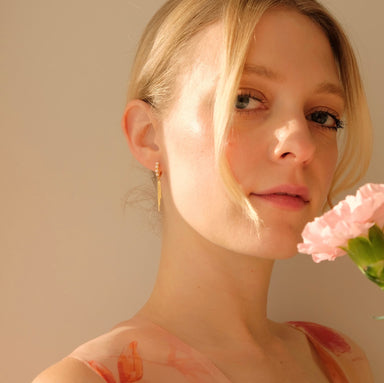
x: 286, y: 196
x: 296, y: 191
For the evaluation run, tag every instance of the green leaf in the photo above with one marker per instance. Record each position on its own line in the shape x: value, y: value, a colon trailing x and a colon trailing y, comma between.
x: 376, y: 237
x: 368, y: 254
x: 375, y: 272
x: 361, y: 252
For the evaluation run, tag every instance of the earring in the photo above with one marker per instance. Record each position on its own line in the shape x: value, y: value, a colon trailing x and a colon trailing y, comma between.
x: 158, y: 175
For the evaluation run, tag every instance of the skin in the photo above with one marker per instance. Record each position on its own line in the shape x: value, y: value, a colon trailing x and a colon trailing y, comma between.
x: 214, y: 274
x: 282, y: 150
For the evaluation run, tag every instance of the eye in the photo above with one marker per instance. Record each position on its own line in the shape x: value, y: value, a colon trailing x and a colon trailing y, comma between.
x: 247, y: 102
x: 326, y: 119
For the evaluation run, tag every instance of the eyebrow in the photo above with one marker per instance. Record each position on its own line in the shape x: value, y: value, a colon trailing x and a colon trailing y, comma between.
x: 330, y: 88
x: 263, y: 71
x: 322, y: 88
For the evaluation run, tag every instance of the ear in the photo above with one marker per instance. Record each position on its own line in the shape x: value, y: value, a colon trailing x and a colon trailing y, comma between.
x: 141, y: 128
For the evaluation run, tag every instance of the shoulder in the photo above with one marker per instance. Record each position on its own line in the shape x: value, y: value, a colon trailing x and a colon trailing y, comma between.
x: 68, y: 370
x: 127, y: 351
x: 355, y: 363
x: 90, y: 362
x: 345, y: 352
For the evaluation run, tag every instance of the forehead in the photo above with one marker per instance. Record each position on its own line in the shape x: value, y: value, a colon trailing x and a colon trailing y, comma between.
x: 286, y: 33
x: 285, y: 43
x: 278, y: 24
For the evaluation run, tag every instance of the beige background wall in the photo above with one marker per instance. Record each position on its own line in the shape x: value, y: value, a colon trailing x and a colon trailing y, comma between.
x: 73, y: 263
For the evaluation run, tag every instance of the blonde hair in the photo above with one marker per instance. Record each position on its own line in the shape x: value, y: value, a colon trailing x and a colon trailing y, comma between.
x: 165, y: 44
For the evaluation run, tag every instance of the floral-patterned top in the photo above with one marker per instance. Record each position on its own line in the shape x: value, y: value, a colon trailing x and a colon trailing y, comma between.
x: 134, y: 351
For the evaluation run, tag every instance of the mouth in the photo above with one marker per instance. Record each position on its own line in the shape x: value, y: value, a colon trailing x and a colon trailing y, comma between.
x: 304, y: 199
x: 286, y: 196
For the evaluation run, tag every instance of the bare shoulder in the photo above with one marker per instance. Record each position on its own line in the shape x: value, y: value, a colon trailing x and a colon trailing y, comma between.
x: 68, y: 370
x: 355, y: 362
x: 336, y: 346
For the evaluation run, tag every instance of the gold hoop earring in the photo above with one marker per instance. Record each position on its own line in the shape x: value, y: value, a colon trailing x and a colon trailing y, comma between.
x: 158, y: 175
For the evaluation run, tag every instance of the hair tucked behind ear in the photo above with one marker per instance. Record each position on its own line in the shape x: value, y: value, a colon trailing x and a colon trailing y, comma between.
x: 166, y: 43
x: 164, y: 46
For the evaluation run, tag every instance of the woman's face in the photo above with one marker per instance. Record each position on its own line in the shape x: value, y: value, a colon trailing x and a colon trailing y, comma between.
x: 282, y: 149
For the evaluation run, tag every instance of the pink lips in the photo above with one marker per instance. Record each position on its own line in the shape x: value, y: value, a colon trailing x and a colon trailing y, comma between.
x: 292, y: 197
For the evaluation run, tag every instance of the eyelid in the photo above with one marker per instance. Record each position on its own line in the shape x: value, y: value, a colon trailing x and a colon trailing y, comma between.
x: 326, y: 109
x: 257, y: 97
x: 339, y: 123
x: 252, y: 93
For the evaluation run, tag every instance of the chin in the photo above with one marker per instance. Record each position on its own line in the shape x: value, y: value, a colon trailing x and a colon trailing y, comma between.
x: 275, y: 244
x: 269, y: 248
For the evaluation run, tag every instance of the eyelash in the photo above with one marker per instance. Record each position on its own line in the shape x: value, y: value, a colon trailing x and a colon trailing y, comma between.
x: 339, y: 124
x: 248, y: 94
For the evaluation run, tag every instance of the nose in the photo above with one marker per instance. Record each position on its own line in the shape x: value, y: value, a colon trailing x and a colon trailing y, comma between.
x: 294, y: 141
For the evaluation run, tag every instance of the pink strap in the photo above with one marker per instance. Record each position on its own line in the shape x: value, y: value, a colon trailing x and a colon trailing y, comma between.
x: 328, y: 344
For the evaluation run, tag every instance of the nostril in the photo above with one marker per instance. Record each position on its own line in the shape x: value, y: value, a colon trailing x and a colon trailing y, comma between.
x: 293, y: 141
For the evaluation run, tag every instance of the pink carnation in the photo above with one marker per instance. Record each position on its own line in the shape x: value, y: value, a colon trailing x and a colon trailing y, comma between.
x: 323, y: 237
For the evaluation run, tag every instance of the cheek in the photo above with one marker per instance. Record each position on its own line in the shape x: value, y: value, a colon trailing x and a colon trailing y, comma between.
x: 188, y: 145
x: 329, y: 159
x: 190, y: 163
x: 326, y: 154
x: 246, y: 153
x: 326, y: 165
x: 195, y: 189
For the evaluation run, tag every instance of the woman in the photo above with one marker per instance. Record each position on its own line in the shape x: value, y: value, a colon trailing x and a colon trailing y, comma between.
x: 237, y: 107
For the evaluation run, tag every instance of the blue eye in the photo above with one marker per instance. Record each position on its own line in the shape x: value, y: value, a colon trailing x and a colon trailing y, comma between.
x: 326, y: 119
x: 242, y: 101
x: 247, y: 102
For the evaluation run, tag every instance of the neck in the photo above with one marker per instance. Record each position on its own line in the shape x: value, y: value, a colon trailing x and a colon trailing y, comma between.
x: 222, y: 296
